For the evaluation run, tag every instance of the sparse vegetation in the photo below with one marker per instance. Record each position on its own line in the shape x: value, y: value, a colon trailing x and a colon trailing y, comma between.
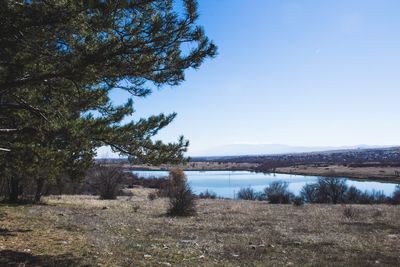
x: 278, y: 193
x: 351, y: 212
x: 298, y: 201
x: 247, y: 193
x: 396, y: 195
x: 327, y: 190
x: 152, y: 196
x: 208, y: 194
x: 223, y: 233
x: 106, y: 181
x: 181, y: 197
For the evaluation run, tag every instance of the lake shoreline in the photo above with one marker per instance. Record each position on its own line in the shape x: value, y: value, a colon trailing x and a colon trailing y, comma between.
x: 374, y: 174
x: 227, y: 183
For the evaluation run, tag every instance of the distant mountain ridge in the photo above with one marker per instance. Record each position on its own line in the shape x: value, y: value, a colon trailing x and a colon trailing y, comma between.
x: 272, y: 149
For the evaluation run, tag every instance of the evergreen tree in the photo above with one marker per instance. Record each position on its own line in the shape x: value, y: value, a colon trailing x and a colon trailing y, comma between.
x: 59, y: 61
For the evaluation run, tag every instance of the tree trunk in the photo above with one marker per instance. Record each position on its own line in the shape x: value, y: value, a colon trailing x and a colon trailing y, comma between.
x: 13, y: 190
x: 39, y: 188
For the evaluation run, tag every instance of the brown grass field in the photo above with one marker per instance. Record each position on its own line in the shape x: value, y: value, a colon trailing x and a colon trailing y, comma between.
x: 384, y: 174
x: 134, y: 231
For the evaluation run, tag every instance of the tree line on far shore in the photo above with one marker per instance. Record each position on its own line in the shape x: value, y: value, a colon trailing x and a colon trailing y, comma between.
x: 326, y: 190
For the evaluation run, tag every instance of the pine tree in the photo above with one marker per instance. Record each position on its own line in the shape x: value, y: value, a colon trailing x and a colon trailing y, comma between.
x: 59, y: 61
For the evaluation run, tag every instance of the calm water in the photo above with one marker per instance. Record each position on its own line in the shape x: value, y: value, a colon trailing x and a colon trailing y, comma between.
x: 227, y: 183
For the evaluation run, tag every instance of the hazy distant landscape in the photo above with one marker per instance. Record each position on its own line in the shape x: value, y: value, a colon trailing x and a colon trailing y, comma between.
x: 270, y: 149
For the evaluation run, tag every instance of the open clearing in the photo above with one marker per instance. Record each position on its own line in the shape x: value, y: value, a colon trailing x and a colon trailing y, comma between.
x: 134, y: 231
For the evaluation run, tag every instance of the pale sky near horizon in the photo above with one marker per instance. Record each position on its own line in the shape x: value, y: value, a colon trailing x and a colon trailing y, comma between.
x: 307, y: 73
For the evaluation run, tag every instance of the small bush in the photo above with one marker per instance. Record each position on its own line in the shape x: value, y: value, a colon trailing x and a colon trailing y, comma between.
x: 247, y: 193
x: 396, y: 196
x: 377, y: 214
x: 309, y: 193
x: 350, y: 212
x: 326, y: 190
x: 151, y: 196
x: 208, y: 194
x: 260, y: 196
x: 378, y: 197
x: 181, y: 197
x: 106, y: 181
x: 135, y: 208
x: 331, y: 190
x: 353, y: 195
x: 148, y: 182
x: 298, y: 201
x: 278, y: 193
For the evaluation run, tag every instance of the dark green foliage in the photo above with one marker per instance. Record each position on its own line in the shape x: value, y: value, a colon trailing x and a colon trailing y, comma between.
x: 181, y: 197
x: 60, y: 60
x: 277, y: 193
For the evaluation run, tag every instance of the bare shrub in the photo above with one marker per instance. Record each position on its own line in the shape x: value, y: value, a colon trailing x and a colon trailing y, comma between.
x: 148, y: 182
x: 106, y: 181
x: 298, y: 201
x: 396, y: 196
x: 351, y: 213
x: 355, y: 196
x: 151, y: 196
x: 208, y: 194
x: 378, y: 197
x: 331, y: 190
x: 326, y: 190
x: 309, y: 193
x: 135, y: 208
x: 278, y: 193
x: 247, y: 193
x: 181, y: 197
x: 377, y: 214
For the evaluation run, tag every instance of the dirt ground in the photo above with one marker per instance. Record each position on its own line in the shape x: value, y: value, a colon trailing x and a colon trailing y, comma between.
x: 384, y: 174
x: 134, y: 231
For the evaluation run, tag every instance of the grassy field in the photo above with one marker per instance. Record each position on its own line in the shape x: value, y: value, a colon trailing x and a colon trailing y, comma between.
x: 134, y: 231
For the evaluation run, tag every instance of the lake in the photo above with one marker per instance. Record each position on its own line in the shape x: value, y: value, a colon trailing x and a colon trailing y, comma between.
x: 228, y: 183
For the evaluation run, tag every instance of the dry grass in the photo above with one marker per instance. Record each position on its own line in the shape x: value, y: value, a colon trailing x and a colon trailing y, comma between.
x: 224, y: 233
x: 31, y: 239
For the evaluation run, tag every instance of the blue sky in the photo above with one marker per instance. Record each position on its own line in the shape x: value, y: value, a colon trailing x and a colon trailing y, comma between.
x: 309, y: 73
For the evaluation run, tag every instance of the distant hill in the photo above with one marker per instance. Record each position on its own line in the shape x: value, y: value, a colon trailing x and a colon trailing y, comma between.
x: 270, y: 149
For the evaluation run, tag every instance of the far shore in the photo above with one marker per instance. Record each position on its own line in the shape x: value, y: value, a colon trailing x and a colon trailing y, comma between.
x: 379, y: 174
x: 194, y: 166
